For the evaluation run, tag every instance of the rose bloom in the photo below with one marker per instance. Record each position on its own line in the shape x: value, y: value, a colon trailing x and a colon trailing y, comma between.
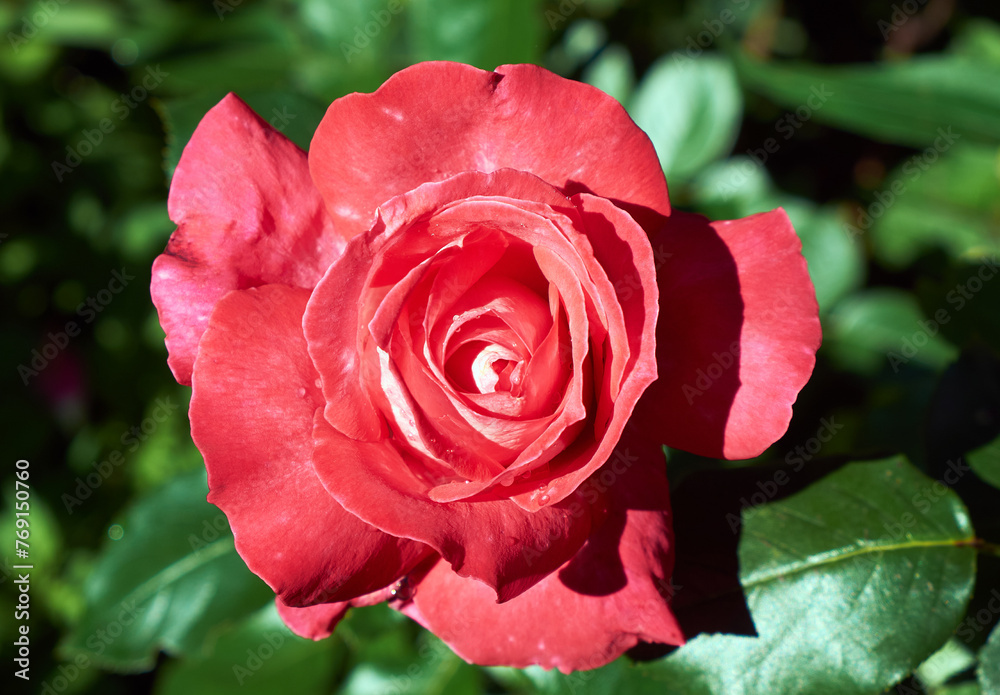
x: 435, y: 359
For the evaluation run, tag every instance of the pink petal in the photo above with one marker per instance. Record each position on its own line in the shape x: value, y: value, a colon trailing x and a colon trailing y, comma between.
x: 484, y: 539
x: 312, y: 622
x: 434, y: 120
x: 319, y: 621
x: 621, y: 252
x: 612, y: 594
x: 248, y: 214
x: 737, y: 334
x: 252, y: 409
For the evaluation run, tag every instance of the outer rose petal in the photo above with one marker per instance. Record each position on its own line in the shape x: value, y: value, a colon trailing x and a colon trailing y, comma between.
x: 737, y: 334
x: 487, y: 539
x: 601, y: 603
x: 288, y: 529
x: 434, y: 120
x: 319, y: 621
x: 248, y: 215
x: 312, y: 622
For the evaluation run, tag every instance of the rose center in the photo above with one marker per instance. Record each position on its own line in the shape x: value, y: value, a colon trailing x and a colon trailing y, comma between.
x: 482, y: 367
x: 496, y: 368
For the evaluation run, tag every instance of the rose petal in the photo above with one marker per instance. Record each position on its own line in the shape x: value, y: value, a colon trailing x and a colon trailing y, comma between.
x: 612, y: 594
x: 331, y: 326
x: 248, y: 214
x: 318, y: 622
x: 620, y: 252
x: 485, y: 540
x: 312, y: 622
x: 434, y: 120
x: 737, y: 335
x: 359, y: 282
x: 252, y: 409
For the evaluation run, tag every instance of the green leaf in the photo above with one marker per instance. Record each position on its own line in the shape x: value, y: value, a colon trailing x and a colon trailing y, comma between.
x: 485, y: 34
x: 985, y: 461
x: 260, y: 655
x: 690, y: 109
x: 946, y: 663
x: 392, y: 664
x: 607, y: 680
x: 957, y: 689
x: 880, y: 328
x: 979, y: 40
x: 909, y: 103
x: 851, y: 584
x: 168, y: 583
x: 989, y: 664
x: 950, y: 202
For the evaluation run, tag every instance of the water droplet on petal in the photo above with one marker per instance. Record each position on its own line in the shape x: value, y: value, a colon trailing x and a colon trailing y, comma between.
x: 401, y: 590
x: 319, y: 384
x: 506, y: 481
x: 302, y: 393
x: 544, y: 499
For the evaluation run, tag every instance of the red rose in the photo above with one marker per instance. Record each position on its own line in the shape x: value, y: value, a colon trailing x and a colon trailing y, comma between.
x: 417, y: 356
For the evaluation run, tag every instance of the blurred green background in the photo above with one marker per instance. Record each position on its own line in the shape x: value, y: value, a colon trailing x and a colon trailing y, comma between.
x: 876, y: 125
